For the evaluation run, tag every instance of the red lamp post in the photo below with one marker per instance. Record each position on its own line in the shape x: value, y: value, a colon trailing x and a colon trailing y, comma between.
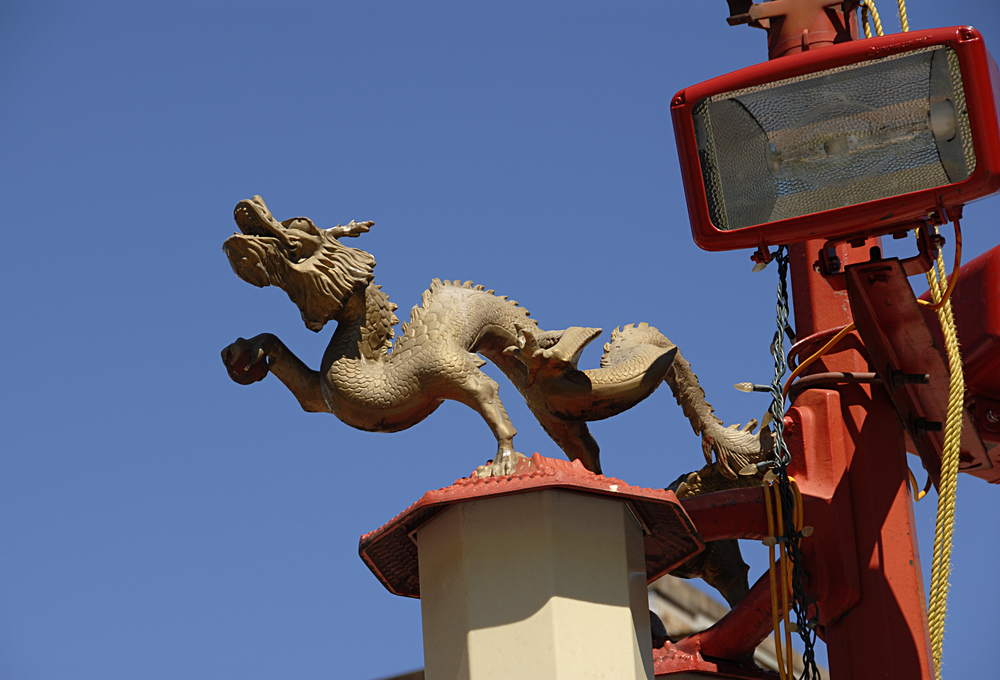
x: 828, y: 150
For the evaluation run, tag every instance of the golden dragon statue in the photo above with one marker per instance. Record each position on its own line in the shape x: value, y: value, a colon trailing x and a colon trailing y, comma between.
x: 372, y: 384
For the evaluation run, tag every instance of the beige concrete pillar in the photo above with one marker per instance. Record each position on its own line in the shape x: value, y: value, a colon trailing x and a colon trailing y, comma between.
x: 547, y: 584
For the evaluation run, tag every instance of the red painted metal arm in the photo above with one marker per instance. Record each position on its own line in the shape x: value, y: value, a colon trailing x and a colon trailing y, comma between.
x: 735, y: 513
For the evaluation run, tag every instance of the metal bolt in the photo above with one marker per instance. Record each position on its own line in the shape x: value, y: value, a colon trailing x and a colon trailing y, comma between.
x: 992, y: 417
x: 897, y: 378
x: 922, y: 426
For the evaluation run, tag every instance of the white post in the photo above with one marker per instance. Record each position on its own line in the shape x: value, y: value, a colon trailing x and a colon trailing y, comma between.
x: 547, y: 584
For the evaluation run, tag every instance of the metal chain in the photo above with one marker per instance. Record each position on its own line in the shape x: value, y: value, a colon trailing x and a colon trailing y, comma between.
x: 801, y: 603
x: 778, y: 352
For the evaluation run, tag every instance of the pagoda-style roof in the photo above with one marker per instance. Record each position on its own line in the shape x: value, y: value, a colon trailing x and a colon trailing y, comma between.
x: 669, y: 535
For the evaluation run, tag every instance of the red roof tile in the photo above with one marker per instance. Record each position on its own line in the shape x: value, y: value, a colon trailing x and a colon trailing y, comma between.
x: 670, y: 537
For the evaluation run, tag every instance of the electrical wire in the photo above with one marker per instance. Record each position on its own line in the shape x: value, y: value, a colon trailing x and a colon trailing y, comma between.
x: 822, y: 350
x: 799, y: 509
x: 917, y: 493
x: 780, y: 571
x: 784, y: 584
x: 775, y: 621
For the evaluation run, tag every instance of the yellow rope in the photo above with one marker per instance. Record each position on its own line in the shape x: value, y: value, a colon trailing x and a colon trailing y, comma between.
x: 945, y: 523
x: 868, y: 6
x: 941, y: 566
x: 954, y: 273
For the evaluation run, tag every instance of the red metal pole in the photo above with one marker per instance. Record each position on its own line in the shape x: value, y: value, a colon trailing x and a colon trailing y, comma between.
x: 848, y: 448
x: 858, y: 433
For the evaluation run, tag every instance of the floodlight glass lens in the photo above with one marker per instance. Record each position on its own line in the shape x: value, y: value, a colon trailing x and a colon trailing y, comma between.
x: 835, y: 138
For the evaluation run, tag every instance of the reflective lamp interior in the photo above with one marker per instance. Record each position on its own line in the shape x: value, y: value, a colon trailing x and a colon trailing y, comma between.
x: 834, y: 138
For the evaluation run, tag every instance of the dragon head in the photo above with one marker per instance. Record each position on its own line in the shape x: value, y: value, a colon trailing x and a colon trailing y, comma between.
x: 318, y: 273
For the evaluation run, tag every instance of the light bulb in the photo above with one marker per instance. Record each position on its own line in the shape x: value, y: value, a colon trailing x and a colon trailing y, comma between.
x: 848, y: 141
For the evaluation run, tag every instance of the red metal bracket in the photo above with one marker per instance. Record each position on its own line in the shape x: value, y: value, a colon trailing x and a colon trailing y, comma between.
x: 901, y: 346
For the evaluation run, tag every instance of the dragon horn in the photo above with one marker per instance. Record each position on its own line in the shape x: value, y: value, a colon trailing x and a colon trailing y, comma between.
x: 352, y: 229
x: 526, y: 351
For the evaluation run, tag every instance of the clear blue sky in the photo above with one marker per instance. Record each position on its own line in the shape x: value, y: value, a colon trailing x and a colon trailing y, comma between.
x: 158, y: 520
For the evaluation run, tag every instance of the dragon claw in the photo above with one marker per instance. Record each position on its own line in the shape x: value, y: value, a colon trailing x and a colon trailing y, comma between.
x: 245, y: 362
x: 504, y: 464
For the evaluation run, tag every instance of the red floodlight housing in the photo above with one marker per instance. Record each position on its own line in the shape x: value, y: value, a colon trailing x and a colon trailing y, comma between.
x: 863, y: 138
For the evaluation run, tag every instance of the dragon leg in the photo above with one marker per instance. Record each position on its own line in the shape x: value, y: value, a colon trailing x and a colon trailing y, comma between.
x: 249, y: 361
x: 573, y: 437
x: 481, y: 393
